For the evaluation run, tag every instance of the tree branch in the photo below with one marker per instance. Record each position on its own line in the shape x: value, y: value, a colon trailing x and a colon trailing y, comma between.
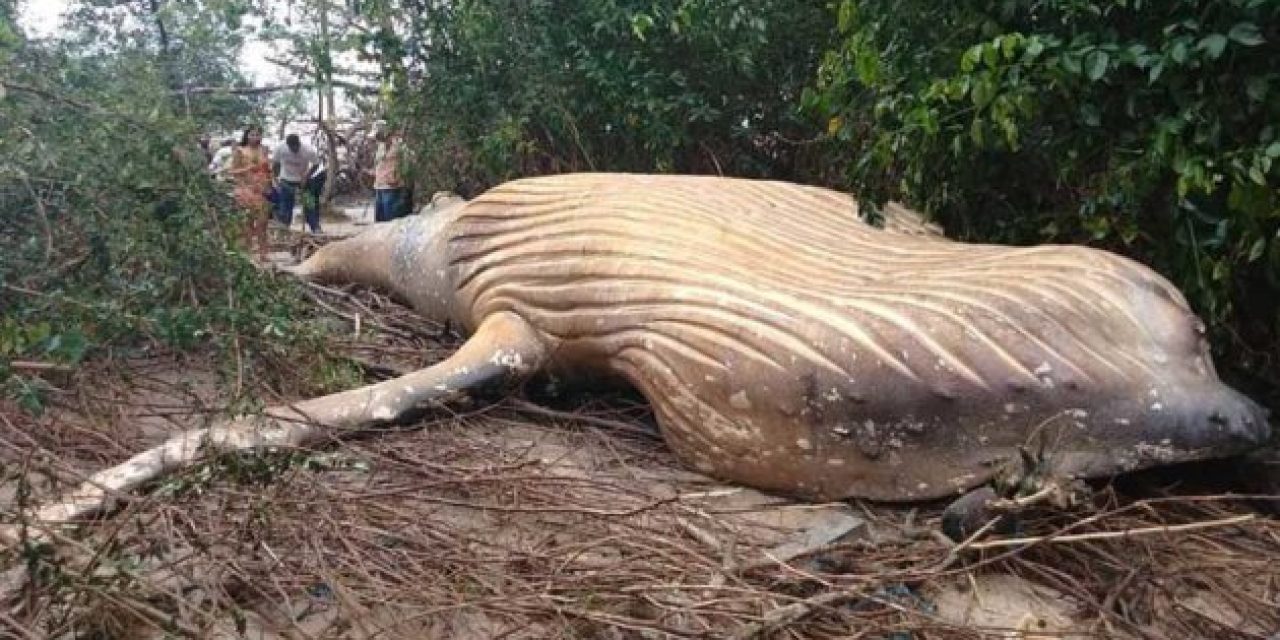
x: 49, y: 95
x: 305, y: 70
x: 350, y: 86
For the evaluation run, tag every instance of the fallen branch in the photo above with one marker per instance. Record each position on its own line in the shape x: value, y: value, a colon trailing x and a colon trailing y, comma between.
x: 49, y: 95
x: 604, y: 423
x: 296, y: 86
x: 35, y: 367
x: 790, y: 614
x: 1111, y: 535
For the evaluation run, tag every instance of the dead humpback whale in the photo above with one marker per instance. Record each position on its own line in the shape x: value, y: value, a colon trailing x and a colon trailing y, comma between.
x: 784, y: 342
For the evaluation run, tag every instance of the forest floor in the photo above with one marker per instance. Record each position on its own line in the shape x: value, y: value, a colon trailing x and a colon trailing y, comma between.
x: 564, y: 516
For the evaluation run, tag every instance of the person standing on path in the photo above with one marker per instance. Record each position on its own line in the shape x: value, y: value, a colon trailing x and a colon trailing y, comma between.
x: 294, y: 162
x: 391, y: 197
x: 250, y: 172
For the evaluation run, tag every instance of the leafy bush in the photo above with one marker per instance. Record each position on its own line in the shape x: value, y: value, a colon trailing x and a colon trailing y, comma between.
x: 495, y: 89
x: 1149, y: 128
x: 112, y: 238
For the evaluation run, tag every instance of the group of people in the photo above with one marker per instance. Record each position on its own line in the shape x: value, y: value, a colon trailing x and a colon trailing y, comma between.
x: 268, y: 183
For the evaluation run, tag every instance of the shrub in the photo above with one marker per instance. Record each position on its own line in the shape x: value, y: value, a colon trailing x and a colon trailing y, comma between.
x: 112, y: 238
x: 496, y: 89
x: 1149, y: 128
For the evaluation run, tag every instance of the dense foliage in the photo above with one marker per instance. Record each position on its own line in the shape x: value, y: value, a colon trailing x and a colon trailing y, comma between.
x: 1149, y: 128
x: 112, y: 238
x: 501, y: 88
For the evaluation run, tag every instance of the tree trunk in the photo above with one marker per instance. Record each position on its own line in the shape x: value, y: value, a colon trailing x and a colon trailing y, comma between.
x: 166, y: 56
x: 326, y: 124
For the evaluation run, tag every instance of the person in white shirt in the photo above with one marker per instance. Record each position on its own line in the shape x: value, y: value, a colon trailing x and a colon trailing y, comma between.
x: 222, y: 158
x: 294, y: 163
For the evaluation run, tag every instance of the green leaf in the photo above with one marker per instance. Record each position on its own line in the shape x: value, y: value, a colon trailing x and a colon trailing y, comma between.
x: 1213, y: 45
x: 1256, y: 88
x: 1273, y: 150
x: 1034, y: 48
x: 991, y: 54
x: 1071, y: 63
x: 1255, y: 174
x: 1220, y: 271
x: 1154, y: 74
x: 846, y: 16
x: 1090, y: 114
x: 1009, y: 45
x: 984, y: 89
x: 1259, y: 247
x: 640, y: 24
x: 976, y: 129
x: 1247, y: 34
x: 1096, y: 64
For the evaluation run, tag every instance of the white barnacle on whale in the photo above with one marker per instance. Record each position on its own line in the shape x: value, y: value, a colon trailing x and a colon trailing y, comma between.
x: 509, y: 359
x: 1162, y: 452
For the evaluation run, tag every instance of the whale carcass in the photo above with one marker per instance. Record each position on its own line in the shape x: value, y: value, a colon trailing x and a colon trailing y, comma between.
x: 784, y: 342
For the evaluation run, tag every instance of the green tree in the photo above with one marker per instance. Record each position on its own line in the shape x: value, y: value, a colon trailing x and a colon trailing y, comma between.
x: 318, y: 34
x: 492, y: 89
x: 112, y: 237
x: 1149, y: 128
x: 194, y: 47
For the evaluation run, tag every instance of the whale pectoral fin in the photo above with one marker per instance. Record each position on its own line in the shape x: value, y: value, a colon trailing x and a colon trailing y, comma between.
x: 503, y: 350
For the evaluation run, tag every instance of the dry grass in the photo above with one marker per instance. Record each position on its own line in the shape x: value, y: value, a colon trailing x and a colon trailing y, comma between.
x: 567, y: 520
